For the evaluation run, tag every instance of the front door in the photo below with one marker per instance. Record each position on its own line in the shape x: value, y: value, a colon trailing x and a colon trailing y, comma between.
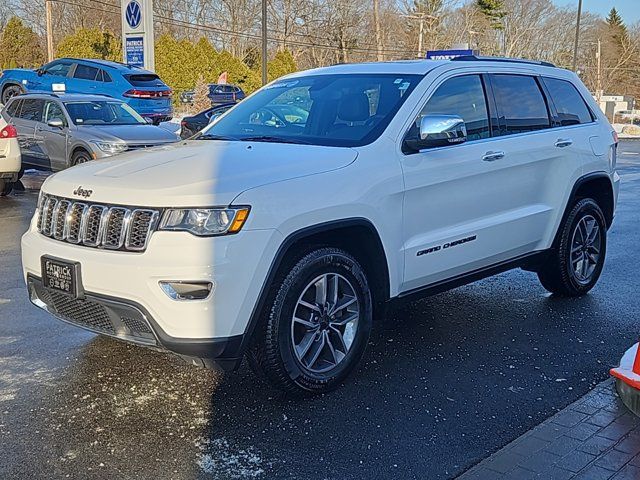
x: 53, y: 139
x: 475, y: 204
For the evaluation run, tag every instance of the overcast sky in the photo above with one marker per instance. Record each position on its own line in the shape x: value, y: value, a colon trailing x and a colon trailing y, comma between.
x: 629, y: 9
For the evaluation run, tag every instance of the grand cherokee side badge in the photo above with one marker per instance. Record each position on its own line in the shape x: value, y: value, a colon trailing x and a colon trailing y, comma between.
x: 82, y: 192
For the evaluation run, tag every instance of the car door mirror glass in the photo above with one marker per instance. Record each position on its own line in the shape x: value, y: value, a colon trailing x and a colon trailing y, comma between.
x: 438, y: 131
x: 56, y: 123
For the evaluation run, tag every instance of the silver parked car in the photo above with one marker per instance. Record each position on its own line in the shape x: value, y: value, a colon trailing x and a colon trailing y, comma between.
x: 56, y: 131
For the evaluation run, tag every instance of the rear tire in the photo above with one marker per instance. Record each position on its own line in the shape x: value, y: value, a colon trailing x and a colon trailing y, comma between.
x: 318, y: 325
x: 80, y: 156
x: 574, y: 267
x: 10, y: 91
x: 5, y: 187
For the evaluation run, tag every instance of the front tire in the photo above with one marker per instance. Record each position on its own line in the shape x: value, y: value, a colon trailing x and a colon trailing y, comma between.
x: 575, y: 265
x: 318, y: 325
x: 10, y: 91
x: 5, y: 187
x: 80, y: 156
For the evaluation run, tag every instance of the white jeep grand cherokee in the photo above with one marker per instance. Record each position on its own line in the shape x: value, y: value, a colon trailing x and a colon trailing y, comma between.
x: 281, y: 230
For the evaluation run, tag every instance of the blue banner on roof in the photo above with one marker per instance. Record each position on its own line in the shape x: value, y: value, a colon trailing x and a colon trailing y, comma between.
x: 447, y: 54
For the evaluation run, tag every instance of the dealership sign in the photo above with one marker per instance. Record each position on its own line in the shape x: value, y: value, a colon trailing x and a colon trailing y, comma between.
x: 448, y: 54
x: 137, y: 33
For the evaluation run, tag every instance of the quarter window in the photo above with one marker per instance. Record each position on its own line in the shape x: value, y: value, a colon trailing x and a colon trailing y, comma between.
x: 520, y: 103
x: 32, y: 109
x: 462, y: 96
x: 570, y: 106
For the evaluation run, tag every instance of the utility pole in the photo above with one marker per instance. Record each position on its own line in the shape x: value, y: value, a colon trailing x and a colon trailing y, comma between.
x: 599, y: 72
x: 575, y: 45
x: 376, y: 21
x: 49, y: 20
x: 264, y: 42
x: 421, y: 30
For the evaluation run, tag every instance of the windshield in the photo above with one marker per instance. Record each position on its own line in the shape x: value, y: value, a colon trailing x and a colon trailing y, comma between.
x: 333, y: 110
x: 103, y: 112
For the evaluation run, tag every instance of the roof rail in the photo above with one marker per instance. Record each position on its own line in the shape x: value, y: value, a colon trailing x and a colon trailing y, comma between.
x: 476, y: 58
x: 43, y: 92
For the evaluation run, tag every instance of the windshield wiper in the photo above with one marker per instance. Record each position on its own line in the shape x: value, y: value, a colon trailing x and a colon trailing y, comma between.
x: 269, y: 138
x: 211, y: 136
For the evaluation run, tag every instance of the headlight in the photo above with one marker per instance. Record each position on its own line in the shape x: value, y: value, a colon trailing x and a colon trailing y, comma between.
x: 205, y: 221
x: 111, y: 147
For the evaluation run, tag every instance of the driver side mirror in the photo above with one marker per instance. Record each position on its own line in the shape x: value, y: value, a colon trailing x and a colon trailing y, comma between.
x: 40, y: 72
x: 56, y: 123
x: 438, y: 131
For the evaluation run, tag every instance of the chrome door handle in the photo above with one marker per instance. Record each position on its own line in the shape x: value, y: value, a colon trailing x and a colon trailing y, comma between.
x: 492, y: 156
x: 563, y: 142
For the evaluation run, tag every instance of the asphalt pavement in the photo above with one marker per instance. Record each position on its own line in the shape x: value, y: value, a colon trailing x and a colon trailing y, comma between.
x: 451, y: 379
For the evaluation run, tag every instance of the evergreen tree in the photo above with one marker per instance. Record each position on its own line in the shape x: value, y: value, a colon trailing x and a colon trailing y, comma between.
x: 20, y: 46
x: 493, y: 10
x: 90, y: 43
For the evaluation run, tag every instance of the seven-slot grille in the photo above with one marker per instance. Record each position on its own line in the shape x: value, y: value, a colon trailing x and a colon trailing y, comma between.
x: 95, y: 225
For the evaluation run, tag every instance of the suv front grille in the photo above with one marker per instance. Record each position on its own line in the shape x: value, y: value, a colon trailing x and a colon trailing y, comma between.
x: 96, y: 225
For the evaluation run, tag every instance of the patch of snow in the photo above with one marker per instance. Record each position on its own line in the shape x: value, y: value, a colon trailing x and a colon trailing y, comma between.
x: 218, y: 457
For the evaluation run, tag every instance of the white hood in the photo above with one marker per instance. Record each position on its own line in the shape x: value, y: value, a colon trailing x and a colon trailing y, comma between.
x: 194, y: 173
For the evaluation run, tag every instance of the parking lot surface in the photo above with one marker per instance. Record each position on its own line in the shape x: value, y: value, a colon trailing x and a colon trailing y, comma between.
x: 449, y: 380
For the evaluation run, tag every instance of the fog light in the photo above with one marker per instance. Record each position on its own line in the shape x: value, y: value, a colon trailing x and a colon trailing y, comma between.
x: 180, y: 290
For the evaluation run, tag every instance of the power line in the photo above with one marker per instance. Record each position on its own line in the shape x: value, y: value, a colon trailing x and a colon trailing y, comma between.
x: 223, y: 31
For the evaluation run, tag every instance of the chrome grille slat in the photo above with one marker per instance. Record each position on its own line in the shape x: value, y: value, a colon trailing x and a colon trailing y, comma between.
x: 96, y: 225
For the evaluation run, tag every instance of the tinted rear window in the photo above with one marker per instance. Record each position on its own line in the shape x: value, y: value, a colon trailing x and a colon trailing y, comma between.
x: 521, y: 105
x: 144, y: 80
x: 32, y: 109
x: 85, y: 72
x: 13, y: 108
x: 571, y: 107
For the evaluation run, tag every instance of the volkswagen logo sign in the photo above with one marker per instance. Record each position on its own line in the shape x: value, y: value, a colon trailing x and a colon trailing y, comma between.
x: 133, y: 14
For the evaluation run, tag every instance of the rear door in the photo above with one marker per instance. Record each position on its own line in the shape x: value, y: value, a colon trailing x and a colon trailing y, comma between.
x: 84, y: 79
x: 25, y: 120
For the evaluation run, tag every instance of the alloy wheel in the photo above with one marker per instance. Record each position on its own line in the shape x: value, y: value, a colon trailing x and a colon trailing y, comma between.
x: 586, y: 244
x: 325, y: 322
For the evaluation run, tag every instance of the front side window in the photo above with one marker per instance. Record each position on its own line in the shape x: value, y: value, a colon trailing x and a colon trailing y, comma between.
x: 570, y: 106
x: 463, y: 97
x: 52, y: 110
x: 102, y: 112
x: 520, y: 103
x: 32, y: 109
x: 60, y: 69
x: 85, y: 72
x: 333, y: 110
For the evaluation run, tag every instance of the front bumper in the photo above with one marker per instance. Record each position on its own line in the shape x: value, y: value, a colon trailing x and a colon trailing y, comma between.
x: 131, y: 322
x: 126, y: 284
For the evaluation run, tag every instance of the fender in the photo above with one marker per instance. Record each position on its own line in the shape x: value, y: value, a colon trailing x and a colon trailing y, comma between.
x: 281, y: 254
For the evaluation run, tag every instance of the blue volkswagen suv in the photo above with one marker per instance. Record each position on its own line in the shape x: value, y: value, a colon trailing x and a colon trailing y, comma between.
x: 141, y: 89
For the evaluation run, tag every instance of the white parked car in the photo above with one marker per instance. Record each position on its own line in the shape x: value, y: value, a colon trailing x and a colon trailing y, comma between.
x: 10, y: 159
x: 282, y: 237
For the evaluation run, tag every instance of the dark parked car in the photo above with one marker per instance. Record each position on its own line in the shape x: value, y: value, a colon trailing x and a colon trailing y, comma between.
x: 219, y: 94
x: 191, y: 125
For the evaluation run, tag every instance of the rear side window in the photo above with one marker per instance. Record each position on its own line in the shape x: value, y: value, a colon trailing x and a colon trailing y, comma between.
x: 462, y: 96
x: 32, y: 109
x: 144, y: 80
x: 520, y: 103
x: 13, y: 108
x: 85, y: 72
x: 571, y: 107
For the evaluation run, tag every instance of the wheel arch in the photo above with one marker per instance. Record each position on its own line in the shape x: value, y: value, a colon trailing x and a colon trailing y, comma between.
x: 598, y: 186
x: 358, y: 236
x: 11, y: 83
x: 78, y: 147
